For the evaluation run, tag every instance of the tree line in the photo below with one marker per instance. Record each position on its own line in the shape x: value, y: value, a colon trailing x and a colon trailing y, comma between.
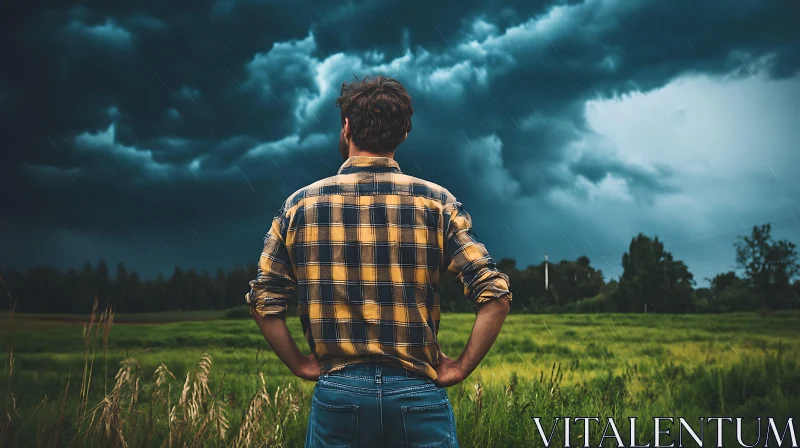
x: 652, y: 280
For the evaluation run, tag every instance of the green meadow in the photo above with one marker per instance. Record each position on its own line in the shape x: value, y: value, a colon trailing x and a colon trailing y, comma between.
x: 199, y: 379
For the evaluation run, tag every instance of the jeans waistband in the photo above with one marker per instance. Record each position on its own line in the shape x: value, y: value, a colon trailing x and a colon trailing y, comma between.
x: 373, y: 369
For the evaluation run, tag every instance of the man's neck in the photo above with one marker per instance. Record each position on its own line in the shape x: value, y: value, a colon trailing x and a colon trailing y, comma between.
x: 355, y: 152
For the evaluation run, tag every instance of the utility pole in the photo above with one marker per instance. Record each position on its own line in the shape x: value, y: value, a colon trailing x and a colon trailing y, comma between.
x: 546, y: 280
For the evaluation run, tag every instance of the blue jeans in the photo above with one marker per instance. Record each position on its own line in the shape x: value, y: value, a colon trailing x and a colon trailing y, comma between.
x: 374, y: 405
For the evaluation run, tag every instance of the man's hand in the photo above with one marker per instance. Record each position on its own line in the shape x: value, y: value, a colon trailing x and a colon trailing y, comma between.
x: 309, y: 368
x: 448, y: 371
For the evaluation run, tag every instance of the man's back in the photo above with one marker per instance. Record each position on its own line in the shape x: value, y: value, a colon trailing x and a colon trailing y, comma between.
x: 365, y: 250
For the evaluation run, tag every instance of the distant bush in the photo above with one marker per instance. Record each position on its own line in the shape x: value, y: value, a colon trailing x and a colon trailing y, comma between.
x: 239, y: 312
x: 600, y: 303
x: 243, y: 312
x: 734, y: 298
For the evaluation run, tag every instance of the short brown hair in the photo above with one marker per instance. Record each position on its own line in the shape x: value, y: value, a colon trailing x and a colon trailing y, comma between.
x: 379, y: 110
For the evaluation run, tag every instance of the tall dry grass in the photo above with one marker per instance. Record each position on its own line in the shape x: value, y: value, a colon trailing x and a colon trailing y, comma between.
x: 145, y: 411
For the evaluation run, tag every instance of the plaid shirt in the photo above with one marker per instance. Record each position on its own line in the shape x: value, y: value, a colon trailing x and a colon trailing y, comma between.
x: 363, y: 251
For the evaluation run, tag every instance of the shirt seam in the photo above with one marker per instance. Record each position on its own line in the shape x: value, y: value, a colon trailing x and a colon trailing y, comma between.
x: 290, y: 210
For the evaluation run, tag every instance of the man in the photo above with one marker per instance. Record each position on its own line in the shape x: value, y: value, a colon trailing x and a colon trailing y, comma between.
x: 364, y: 251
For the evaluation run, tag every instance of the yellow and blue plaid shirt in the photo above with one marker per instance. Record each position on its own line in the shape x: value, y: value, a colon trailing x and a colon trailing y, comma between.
x: 364, y: 251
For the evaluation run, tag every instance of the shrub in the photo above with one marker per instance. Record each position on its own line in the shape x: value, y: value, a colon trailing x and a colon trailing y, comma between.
x: 239, y: 312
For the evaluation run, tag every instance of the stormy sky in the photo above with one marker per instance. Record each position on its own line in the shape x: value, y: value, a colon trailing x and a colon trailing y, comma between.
x: 167, y: 134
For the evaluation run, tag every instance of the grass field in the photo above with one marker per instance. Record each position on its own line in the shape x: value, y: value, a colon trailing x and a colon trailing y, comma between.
x: 542, y: 365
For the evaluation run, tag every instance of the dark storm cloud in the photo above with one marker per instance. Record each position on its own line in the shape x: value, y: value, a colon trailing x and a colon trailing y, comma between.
x: 144, y: 116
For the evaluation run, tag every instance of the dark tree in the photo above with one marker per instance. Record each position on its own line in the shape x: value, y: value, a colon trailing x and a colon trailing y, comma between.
x: 729, y: 293
x: 653, y: 280
x: 178, y: 290
x: 724, y: 281
x: 102, y: 282
x: 121, y: 286
x: 769, y: 266
x: 87, y: 288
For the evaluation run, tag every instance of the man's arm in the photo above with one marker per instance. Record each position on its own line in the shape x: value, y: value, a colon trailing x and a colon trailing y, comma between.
x: 280, y: 340
x: 485, y: 286
x: 487, y: 326
x: 269, y: 296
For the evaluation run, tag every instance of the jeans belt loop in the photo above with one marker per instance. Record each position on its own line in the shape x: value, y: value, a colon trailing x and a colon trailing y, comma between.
x: 378, y: 373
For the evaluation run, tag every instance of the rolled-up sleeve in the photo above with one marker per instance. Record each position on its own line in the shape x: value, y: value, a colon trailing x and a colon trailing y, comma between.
x: 469, y: 260
x: 275, y: 283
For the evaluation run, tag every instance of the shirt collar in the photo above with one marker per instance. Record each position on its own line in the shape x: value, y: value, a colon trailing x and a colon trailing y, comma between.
x: 369, y: 164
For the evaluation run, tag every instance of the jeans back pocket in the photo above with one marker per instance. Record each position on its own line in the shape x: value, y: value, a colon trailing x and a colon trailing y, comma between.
x: 428, y: 426
x: 333, y: 426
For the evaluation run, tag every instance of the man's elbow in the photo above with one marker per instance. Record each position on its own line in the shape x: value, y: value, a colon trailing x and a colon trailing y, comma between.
x: 267, y: 314
x: 503, y: 305
x: 499, y: 307
x: 495, y: 293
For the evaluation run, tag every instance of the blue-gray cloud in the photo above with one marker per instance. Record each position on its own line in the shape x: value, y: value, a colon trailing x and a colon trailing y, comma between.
x: 148, y: 119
